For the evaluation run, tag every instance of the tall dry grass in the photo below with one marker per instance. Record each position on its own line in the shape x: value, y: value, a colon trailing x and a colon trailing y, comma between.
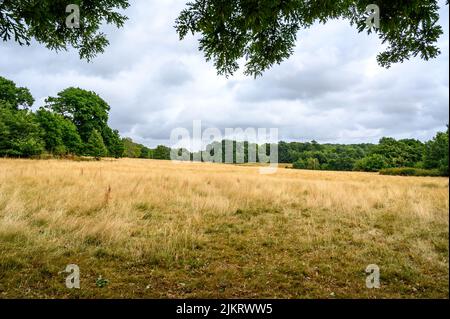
x: 159, y: 229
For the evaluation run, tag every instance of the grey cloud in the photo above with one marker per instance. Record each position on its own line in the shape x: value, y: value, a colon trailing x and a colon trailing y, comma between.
x: 330, y: 90
x: 174, y: 73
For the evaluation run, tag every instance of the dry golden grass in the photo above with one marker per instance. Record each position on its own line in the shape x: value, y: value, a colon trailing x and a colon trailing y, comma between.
x: 158, y: 229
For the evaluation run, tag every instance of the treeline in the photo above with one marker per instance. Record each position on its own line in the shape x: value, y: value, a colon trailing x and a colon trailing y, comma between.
x: 75, y: 122
x: 389, y: 154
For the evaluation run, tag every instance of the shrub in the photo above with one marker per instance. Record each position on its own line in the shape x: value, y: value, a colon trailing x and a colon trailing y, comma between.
x: 410, y: 171
x: 309, y: 163
x: 371, y: 163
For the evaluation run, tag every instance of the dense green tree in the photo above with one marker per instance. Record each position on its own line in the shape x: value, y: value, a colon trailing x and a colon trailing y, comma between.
x: 340, y: 159
x: 113, y: 142
x: 20, y: 134
x: 161, y: 153
x: 45, y: 21
x: 372, y: 163
x: 146, y: 152
x: 85, y: 109
x: 264, y: 32
x: 284, y: 153
x: 52, y: 135
x: 403, y: 153
x: 60, y: 135
x: 412, y: 152
x: 14, y: 96
x: 89, y: 112
x: 71, y: 139
x: 436, y: 153
x: 131, y: 149
x: 95, y: 146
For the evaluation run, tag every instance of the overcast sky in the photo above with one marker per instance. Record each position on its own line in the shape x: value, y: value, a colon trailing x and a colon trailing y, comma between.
x: 330, y: 90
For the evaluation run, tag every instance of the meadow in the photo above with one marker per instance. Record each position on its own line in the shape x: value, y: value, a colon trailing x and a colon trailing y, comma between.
x: 155, y: 229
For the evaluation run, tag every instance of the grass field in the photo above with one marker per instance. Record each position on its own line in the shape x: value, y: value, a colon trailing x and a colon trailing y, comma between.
x: 163, y: 230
